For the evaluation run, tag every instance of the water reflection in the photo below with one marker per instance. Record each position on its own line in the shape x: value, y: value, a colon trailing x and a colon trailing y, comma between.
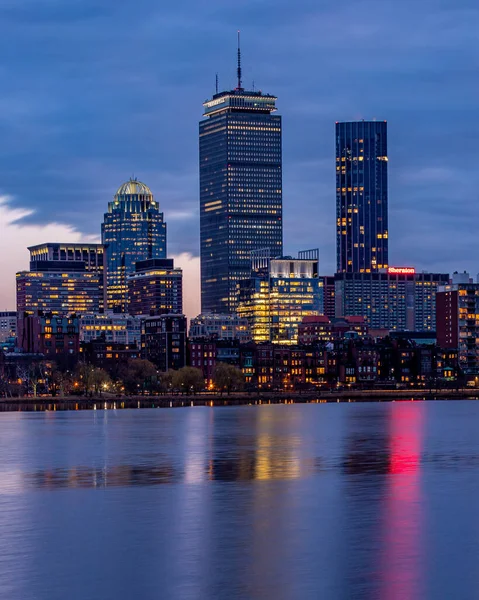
x: 272, y: 451
x: 367, y: 449
x: 87, y: 477
x: 325, y: 501
x: 402, y: 517
x: 365, y: 465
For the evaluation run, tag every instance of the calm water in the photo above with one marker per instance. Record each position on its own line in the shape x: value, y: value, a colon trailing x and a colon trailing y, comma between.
x: 293, y: 502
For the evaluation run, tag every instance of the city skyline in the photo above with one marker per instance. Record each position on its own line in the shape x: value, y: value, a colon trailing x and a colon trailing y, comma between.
x: 432, y: 194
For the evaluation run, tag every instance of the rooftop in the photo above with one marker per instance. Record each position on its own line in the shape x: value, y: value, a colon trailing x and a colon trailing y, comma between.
x: 240, y: 100
x: 315, y: 319
x: 132, y: 187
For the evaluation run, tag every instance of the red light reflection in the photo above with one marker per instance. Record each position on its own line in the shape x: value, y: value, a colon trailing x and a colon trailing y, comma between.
x: 402, y: 518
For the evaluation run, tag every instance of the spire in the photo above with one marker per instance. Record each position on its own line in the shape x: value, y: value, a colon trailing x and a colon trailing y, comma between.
x: 239, y: 63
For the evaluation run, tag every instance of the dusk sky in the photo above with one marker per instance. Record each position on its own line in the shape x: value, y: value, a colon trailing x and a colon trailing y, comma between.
x: 95, y: 91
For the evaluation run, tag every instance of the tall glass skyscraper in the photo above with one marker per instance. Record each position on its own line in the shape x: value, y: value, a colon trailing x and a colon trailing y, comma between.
x: 240, y: 190
x: 133, y: 229
x: 361, y: 196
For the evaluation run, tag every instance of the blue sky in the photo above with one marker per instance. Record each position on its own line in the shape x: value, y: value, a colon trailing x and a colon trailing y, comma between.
x: 94, y: 91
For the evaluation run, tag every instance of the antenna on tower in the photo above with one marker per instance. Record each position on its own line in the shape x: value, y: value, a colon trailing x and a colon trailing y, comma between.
x: 217, y: 87
x: 239, y: 62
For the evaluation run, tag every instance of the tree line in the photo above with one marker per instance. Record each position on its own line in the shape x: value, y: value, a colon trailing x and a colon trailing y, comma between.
x: 134, y: 377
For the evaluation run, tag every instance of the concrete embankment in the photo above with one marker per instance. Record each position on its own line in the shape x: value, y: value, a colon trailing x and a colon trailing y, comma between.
x: 128, y: 402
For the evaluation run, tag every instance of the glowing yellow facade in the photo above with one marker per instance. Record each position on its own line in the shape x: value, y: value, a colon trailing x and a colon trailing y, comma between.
x: 277, y: 298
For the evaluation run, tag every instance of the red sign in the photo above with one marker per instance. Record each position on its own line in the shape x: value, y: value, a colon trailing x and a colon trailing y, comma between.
x: 401, y: 270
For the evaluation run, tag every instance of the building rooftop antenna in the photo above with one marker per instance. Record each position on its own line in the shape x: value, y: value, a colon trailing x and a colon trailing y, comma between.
x: 239, y: 63
x: 217, y: 86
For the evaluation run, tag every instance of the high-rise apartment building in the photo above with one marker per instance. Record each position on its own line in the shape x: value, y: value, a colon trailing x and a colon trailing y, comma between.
x: 361, y: 196
x: 57, y: 292
x: 63, y: 279
x: 240, y: 190
x: 279, y: 294
x: 67, y: 257
x: 458, y: 323
x: 133, y: 229
x: 155, y: 287
x: 395, y: 299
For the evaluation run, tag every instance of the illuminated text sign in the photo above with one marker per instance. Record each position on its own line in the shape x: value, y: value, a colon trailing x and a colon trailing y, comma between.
x: 401, y: 270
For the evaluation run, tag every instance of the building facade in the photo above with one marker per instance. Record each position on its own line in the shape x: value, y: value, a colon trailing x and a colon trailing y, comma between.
x: 114, y: 328
x: 361, y: 196
x: 48, y: 334
x: 202, y: 355
x: 329, y: 291
x: 8, y: 325
x: 92, y: 255
x: 108, y: 355
x: 163, y: 341
x: 133, y: 230
x: 322, y: 329
x: 395, y: 299
x: 279, y: 294
x: 155, y: 287
x: 240, y: 157
x: 65, y: 257
x: 59, y: 292
x: 457, y: 322
x: 220, y: 327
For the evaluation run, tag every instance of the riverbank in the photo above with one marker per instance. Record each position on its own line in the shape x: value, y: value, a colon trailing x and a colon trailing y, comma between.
x: 236, y: 399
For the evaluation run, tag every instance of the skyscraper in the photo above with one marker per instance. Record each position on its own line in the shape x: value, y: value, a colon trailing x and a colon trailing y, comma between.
x: 133, y: 229
x: 361, y: 196
x: 240, y: 190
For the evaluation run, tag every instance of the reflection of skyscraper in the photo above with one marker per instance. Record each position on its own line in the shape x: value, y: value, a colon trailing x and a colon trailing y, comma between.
x: 361, y: 196
x: 133, y: 230
x: 240, y: 190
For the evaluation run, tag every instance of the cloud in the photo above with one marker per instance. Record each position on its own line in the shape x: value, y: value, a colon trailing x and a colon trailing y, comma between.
x: 429, y: 175
x: 191, y: 282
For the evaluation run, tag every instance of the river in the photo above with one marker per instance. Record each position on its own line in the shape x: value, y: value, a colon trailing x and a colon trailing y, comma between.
x: 295, y: 502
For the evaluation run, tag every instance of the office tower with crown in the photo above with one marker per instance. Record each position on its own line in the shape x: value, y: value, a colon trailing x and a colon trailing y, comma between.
x: 240, y: 190
x: 133, y: 230
x: 361, y: 196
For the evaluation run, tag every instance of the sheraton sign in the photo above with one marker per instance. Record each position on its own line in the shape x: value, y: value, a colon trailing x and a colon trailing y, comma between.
x: 401, y: 271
